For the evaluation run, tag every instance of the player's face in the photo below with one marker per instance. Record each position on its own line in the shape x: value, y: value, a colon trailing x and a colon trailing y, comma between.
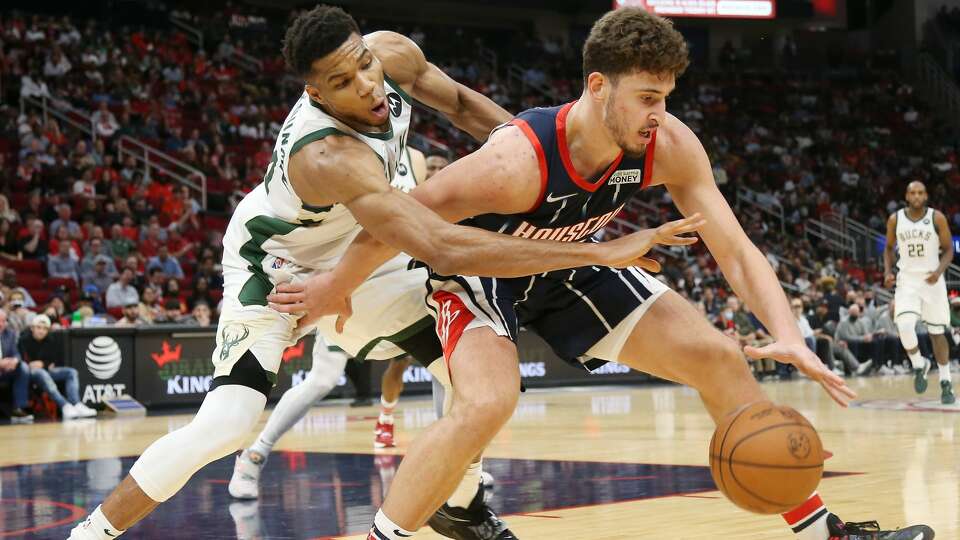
x: 635, y: 107
x: 348, y: 83
x: 435, y: 164
x: 916, y: 196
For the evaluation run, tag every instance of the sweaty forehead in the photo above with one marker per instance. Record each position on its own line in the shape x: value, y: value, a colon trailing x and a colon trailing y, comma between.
x: 342, y: 60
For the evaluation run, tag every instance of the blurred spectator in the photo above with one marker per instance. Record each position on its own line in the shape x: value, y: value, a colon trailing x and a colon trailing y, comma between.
x: 18, y: 316
x: 200, y: 293
x: 120, y: 245
x: 855, y: 333
x: 165, y: 262
x: 104, y: 121
x: 95, y: 254
x: 886, y: 332
x: 33, y: 242
x: 7, y: 213
x: 151, y: 308
x: 14, y: 371
x: 9, y: 241
x: 200, y: 316
x: 838, y: 353
x: 122, y: 293
x: 11, y: 286
x: 171, y: 312
x: 63, y: 265
x: 42, y: 354
x: 209, y: 271
x: 131, y: 316
x: 64, y: 220
x: 62, y: 237
x: 98, y: 277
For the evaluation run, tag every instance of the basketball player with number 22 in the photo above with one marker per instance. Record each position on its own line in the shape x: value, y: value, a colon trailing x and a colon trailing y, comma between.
x: 925, y: 248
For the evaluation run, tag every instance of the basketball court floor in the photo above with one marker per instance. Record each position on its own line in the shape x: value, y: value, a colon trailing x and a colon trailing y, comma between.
x: 598, y: 463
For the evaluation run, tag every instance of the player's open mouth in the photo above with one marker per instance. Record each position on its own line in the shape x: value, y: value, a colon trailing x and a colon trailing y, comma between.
x: 380, y: 109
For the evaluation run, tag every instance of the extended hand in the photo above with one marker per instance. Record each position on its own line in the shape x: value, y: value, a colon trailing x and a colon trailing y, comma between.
x: 629, y: 250
x: 808, y: 364
x: 316, y: 297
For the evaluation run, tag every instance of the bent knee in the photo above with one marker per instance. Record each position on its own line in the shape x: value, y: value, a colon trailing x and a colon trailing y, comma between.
x: 489, y: 411
x: 720, y: 359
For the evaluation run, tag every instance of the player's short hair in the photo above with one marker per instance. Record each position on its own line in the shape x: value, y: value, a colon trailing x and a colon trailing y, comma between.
x: 439, y: 153
x: 315, y: 34
x: 629, y: 40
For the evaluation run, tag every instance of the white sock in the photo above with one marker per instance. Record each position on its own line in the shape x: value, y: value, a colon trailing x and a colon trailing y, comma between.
x: 95, y: 527
x: 916, y: 359
x: 468, y: 487
x: 809, y: 520
x: 386, y: 410
x: 384, y: 528
x: 260, y: 450
x: 945, y: 372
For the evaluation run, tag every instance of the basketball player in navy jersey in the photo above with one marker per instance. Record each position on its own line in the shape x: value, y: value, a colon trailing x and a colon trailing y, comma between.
x: 561, y: 173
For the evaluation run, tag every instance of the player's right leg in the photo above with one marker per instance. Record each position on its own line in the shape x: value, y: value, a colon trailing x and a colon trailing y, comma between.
x: 391, y: 386
x: 325, y: 371
x: 908, y: 307
x: 486, y: 386
x: 250, y: 342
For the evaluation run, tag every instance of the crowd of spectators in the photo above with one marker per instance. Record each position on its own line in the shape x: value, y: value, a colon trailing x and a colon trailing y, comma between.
x: 87, y: 238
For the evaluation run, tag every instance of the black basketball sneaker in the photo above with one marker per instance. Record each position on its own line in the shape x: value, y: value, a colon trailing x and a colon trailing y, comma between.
x: 870, y: 530
x: 475, y: 522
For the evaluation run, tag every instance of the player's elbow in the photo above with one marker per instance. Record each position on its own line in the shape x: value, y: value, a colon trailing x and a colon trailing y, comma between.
x: 447, y: 262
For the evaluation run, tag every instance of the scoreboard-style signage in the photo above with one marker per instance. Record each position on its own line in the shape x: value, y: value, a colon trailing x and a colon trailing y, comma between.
x: 730, y: 9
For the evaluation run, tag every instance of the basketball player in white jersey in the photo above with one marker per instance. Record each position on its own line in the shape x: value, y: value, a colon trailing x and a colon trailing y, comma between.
x: 925, y: 250
x: 327, y: 367
x: 328, y: 364
x: 330, y: 174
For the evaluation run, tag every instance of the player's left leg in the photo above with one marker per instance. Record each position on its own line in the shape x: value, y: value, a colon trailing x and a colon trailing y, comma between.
x: 326, y: 369
x: 688, y: 350
x: 391, y: 386
x: 936, y: 314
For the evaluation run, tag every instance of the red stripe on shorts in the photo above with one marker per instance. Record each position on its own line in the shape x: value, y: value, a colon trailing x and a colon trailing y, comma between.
x: 453, y: 316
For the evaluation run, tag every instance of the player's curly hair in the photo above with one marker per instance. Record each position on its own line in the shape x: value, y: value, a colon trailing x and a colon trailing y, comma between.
x: 315, y: 34
x: 629, y: 40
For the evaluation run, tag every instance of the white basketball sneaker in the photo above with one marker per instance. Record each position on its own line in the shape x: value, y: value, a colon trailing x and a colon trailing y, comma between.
x: 69, y: 412
x: 245, y: 482
x: 83, y: 411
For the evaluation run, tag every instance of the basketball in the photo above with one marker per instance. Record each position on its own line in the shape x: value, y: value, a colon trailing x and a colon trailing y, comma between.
x: 766, y: 458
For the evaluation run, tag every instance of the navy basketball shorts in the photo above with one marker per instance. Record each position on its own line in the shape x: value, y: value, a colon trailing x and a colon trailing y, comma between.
x: 585, y: 314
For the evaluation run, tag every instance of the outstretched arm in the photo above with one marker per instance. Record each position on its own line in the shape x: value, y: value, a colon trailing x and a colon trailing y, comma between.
x: 683, y: 166
x: 502, y: 177
x: 353, y: 176
x: 404, y: 62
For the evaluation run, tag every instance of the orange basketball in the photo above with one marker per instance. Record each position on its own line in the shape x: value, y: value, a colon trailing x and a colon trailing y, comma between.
x: 766, y: 458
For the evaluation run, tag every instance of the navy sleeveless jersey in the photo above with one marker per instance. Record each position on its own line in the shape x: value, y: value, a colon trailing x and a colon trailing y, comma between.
x: 570, y: 208
x: 572, y: 309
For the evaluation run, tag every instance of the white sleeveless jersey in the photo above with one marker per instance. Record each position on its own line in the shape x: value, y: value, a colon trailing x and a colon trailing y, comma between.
x: 273, y: 220
x: 918, y: 243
